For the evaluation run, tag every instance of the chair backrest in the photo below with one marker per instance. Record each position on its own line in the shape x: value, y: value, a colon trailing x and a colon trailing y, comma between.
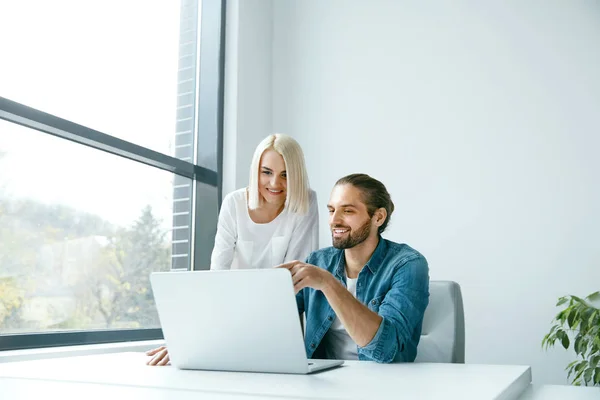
x: 443, y: 335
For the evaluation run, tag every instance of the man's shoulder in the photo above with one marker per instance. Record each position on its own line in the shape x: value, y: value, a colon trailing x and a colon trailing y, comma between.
x: 404, y: 263
x: 401, y: 252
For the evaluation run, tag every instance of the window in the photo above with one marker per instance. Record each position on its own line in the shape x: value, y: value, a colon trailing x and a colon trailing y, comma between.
x: 109, y: 65
x: 110, y: 149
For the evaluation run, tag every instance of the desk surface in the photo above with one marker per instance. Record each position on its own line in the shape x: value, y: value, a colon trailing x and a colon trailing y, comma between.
x: 561, y: 392
x: 354, y: 380
x: 26, y: 389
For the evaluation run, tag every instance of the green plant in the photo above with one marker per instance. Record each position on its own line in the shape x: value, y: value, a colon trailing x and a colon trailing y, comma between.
x: 578, y: 324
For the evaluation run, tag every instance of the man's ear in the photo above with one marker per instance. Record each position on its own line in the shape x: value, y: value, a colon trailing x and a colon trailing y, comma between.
x: 379, y: 216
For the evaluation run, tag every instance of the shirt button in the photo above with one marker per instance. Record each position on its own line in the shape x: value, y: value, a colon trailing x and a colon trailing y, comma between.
x: 312, y: 345
x: 374, y: 302
x: 330, y: 318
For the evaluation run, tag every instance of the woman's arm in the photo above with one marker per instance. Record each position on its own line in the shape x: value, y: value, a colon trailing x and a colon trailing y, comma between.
x: 226, y: 237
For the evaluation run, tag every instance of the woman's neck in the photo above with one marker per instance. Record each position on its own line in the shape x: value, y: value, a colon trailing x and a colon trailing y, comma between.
x: 266, y: 212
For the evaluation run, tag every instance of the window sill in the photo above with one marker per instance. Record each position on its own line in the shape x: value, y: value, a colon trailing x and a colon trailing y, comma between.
x: 81, y: 350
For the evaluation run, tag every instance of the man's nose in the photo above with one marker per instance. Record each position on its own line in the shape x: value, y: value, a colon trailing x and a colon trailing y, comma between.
x: 335, y: 218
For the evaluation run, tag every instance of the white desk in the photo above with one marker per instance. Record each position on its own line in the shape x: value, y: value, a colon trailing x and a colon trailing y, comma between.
x: 25, y: 389
x: 560, y: 392
x: 354, y: 380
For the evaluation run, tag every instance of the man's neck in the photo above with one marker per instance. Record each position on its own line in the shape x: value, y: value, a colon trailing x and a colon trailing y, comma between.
x: 357, y: 256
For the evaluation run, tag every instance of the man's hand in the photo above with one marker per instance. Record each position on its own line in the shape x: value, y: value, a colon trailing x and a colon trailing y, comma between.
x: 161, y: 356
x: 307, y: 275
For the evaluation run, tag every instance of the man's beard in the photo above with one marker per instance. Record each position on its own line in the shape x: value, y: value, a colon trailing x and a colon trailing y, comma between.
x: 354, y: 238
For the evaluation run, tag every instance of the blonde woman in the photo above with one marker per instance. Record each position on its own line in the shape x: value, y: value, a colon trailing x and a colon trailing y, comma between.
x: 272, y: 221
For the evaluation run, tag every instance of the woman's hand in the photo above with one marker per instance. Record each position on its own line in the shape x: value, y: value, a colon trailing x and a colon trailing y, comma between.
x: 160, y: 356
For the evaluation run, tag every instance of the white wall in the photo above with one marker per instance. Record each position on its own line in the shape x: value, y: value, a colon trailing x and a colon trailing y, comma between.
x: 248, y: 90
x: 484, y: 122
x: 482, y: 119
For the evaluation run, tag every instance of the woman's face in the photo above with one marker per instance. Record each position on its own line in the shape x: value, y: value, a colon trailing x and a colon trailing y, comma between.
x: 272, y: 181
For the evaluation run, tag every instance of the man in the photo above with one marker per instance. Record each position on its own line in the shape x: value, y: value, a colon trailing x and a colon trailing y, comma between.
x: 365, y: 297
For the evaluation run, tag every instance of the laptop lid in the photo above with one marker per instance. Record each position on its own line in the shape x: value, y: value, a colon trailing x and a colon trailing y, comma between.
x: 237, y: 320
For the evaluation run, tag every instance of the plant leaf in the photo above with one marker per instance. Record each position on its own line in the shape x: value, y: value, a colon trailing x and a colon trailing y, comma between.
x: 561, y: 301
x: 587, y: 375
x: 565, y: 340
x: 597, y: 376
x: 544, y: 340
x: 592, y: 318
x: 571, y: 364
x: 594, y: 296
x: 585, y: 319
x: 571, y: 368
x: 577, y: 344
x: 571, y: 318
x: 579, y: 369
x: 594, y: 361
x: 559, y: 335
x: 581, y: 366
x: 583, y: 346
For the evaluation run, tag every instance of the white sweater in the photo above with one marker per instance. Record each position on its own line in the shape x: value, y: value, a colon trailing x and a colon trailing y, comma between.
x: 241, y: 243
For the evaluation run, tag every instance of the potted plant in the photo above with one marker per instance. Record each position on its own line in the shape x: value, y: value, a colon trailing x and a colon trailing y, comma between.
x: 578, y: 324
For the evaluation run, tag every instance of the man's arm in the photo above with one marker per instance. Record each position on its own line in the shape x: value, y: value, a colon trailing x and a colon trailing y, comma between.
x: 360, y: 322
x: 402, y: 311
x: 380, y: 336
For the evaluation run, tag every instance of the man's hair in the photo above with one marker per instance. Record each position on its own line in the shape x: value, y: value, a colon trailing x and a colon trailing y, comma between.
x: 297, y: 198
x: 374, y: 195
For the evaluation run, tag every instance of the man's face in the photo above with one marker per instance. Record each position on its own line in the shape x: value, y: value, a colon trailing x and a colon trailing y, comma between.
x: 348, y: 217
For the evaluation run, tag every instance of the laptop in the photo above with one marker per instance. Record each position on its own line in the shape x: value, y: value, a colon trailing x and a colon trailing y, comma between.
x: 236, y: 320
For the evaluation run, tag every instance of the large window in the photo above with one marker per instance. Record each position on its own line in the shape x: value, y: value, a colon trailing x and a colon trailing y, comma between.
x: 110, y: 149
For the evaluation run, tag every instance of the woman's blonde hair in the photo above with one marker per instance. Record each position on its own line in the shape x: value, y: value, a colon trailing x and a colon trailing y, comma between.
x: 298, y: 196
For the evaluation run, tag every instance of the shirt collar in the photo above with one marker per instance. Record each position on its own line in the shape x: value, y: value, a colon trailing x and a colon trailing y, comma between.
x: 373, y: 264
x: 378, y: 255
x: 340, y: 269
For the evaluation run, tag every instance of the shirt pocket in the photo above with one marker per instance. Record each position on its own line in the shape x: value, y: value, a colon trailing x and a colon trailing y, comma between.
x: 244, y: 251
x: 278, y: 250
x: 375, y: 303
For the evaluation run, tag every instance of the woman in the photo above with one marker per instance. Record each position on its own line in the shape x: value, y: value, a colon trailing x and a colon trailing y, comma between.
x: 272, y: 221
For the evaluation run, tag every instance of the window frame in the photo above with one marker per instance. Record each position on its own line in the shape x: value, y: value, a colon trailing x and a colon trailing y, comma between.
x: 208, y: 123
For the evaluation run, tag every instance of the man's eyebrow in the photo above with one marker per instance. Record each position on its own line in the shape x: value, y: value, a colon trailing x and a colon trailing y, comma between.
x: 342, y: 206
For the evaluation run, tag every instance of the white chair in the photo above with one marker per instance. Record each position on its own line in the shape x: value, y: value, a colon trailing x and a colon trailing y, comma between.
x: 443, y: 335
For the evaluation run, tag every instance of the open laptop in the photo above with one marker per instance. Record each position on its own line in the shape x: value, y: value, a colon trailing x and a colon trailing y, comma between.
x: 238, y: 320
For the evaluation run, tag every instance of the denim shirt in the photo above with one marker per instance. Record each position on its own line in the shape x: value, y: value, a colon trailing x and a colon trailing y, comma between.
x: 394, y: 284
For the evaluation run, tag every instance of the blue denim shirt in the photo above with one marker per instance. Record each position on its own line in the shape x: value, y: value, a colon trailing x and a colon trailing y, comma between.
x: 394, y: 284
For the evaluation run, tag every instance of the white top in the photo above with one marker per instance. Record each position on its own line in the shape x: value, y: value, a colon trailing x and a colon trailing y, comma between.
x: 241, y: 243
x: 338, y: 344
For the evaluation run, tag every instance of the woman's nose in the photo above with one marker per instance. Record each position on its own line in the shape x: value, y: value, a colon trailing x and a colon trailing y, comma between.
x: 275, y: 181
